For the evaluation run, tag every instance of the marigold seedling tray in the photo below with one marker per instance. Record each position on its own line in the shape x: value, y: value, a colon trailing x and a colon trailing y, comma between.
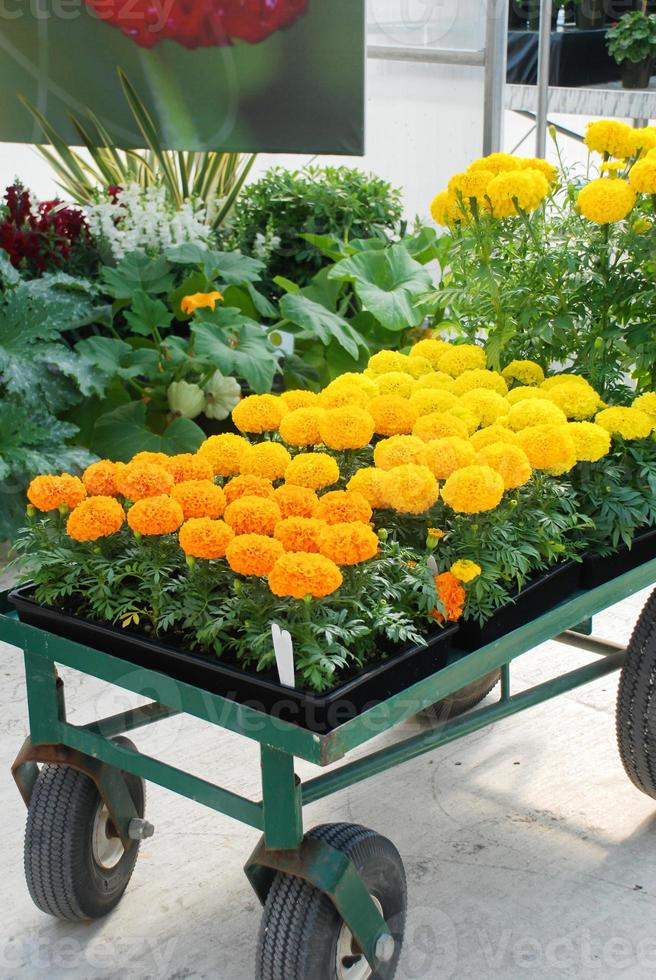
x: 598, y: 569
x: 319, y: 713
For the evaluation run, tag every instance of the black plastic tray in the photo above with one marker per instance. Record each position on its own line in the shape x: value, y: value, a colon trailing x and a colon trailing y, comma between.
x: 598, y: 570
x: 537, y: 597
x: 319, y: 713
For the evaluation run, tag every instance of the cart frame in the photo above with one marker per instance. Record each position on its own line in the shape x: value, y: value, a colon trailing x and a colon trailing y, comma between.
x: 279, y: 813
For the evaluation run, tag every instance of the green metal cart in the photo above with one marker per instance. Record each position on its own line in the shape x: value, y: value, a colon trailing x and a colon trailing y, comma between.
x: 334, y: 898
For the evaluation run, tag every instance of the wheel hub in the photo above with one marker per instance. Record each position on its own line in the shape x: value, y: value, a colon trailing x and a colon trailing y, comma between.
x: 351, y: 962
x: 107, y: 847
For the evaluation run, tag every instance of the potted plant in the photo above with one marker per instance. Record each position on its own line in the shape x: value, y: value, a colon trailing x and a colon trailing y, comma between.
x: 590, y: 14
x: 632, y: 43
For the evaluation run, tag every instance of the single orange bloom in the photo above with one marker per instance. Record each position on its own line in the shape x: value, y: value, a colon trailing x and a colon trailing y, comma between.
x: 452, y: 596
x: 197, y: 301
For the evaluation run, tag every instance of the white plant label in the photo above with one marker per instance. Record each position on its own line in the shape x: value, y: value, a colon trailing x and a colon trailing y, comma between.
x: 283, y: 647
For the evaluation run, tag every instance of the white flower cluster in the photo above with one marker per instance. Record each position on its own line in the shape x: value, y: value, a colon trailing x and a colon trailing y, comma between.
x: 143, y: 218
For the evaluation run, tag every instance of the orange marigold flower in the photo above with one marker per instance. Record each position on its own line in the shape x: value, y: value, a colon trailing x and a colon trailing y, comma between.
x: 299, y: 533
x: 224, y: 453
x: 297, y: 574
x: 348, y: 544
x: 392, y: 415
x: 300, y: 427
x: 511, y: 462
x: 473, y: 489
x: 398, y: 450
x: 444, y: 456
x: 295, y: 501
x: 343, y: 506
x: 267, y: 459
x: 155, y: 515
x: 100, y: 478
x: 248, y: 486
x: 438, y: 425
x: 548, y: 447
x: 189, y: 466
x: 313, y: 470
x: 299, y: 399
x: 49, y: 492
x: 410, y: 489
x: 201, y: 537
x: 96, y: 517
x: 370, y: 483
x: 199, y: 498
x: 452, y: 596
x: 253, y: 554
x: 145, y: 456
x: 348, y: 427
x: 140, y: 480
x: 259, y: 413
x: 252, y: 515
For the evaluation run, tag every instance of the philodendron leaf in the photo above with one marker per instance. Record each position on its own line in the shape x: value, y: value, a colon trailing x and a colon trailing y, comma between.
x: 317, y: 321
x: 123, y: 432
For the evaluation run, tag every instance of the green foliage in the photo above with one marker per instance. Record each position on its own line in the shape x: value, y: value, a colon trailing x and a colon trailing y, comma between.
x: 633, y: 38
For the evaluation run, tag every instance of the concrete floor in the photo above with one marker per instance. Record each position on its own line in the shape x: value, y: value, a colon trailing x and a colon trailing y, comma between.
x: 528, y: 851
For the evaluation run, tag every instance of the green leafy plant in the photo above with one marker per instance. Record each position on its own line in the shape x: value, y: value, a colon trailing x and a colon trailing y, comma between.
x: 633, y: 38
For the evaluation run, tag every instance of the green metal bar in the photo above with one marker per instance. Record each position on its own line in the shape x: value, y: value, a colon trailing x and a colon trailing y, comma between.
x: 130, y: 720
x: 505, y: 682
x: 585, y: 627
x: 592, y: 644
x: 410, y: 748
x: 183, y: 783
x: 44, y: 701
x: 281, y: 798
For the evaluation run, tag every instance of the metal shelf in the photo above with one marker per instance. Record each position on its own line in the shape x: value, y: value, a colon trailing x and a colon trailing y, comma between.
x: 608, y: 100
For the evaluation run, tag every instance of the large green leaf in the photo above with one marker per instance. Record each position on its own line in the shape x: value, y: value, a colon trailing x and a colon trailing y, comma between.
x: 237, y: 346
x: 9, y: 276
x: 319, y: 322
x: 147, y: 315
x: 231, y: 268
x: 137, y: 272
x: 123, y: 432
x: 386, y: 283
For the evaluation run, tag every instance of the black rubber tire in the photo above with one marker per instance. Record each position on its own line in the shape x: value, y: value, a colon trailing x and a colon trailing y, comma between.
x: 62, y: 874
x: 461, y: 701
x: 300, y: 926
x: 636, y: 703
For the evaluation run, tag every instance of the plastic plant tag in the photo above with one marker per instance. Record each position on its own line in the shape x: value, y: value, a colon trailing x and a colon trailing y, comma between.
x: 432, y: 565
x: 283, y: 648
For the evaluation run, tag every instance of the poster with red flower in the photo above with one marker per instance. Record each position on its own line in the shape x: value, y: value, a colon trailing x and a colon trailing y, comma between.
x: 242, y: 75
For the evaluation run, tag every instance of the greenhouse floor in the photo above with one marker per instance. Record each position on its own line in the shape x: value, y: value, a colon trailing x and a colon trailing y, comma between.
x: 527, y: 849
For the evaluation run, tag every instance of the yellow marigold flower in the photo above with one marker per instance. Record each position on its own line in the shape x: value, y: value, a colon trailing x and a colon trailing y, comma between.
x: 299, y: 533
x: 444, y: 456
x: 491, y: 435
x: 521, y: 394
x: 344, y: 394
x: 253, y: 554
x: 224, y: 452
x: 425, y: 401
x: 188, y: 466
x: 259, y: 413
x: 267, y: 459
x: 496, y: 162
x: 252, y: 515
x: 438, y: 425
x: 458, y: 358
x: 606, y: 200
x: 392, y: 415
x: 526, y: 372
x: 629, y: 423
x: 471, y: 186
x: 299, y: 399
x: 646, y: 403
x: 145, y: 456
x: 50, y: 492
x: 248, y: 486
x: 548, y: 446
x: 445, y: 209
x: 298, y: 575
x: 348, y: 544
x: 612, y: 166
x: 395, y: 383
x: 642, y: 176
x: 466, y: 415
x: 418, y: 366
x: 139, y: 480
x: 398, y: 450
x: 196, y: 301
x: 100, y: 478
x: 644, y: 138
x: 617, y: 139
x: 369, y: 482
x: 155, y: 515
x: 295, y: 501
x: 435, y: 533
x: 537, y: 163
x: 93, y: 518
x: 477, y: 379
x: 577, y: 401
x: 473, y: 489
x: 431, y: 348
x: 348, y: 427
x: 313, y: 470
x: 563, y: 379
x: 436, y: 380
x: 486, y: 405
x: 465, y: 570
x: 517, y: 189
x: 410, y: 489
x: 510, y: 462
x: 591, y: 441
x: 641, y: 225
x: 201, y: 537
x: 385, y: 361
x: 343, y: 507
x: 534, y: 411
x: 199, y: 498
x: 300, y: 427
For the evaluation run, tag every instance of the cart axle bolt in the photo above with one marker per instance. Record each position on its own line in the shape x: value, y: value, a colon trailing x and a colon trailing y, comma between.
x: 140, y: 829
x: 385, y: 947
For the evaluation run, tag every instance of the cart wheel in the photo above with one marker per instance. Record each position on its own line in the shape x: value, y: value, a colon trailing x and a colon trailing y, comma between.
x: 75, y: 867
x: 636, y: 703
x: 460, y: 701
x: 302, y: 936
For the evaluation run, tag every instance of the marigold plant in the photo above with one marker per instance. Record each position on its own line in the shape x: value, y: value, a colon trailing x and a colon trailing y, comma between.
x: 95, y: 517
x: 202, y: 537
x: 298, y: 575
